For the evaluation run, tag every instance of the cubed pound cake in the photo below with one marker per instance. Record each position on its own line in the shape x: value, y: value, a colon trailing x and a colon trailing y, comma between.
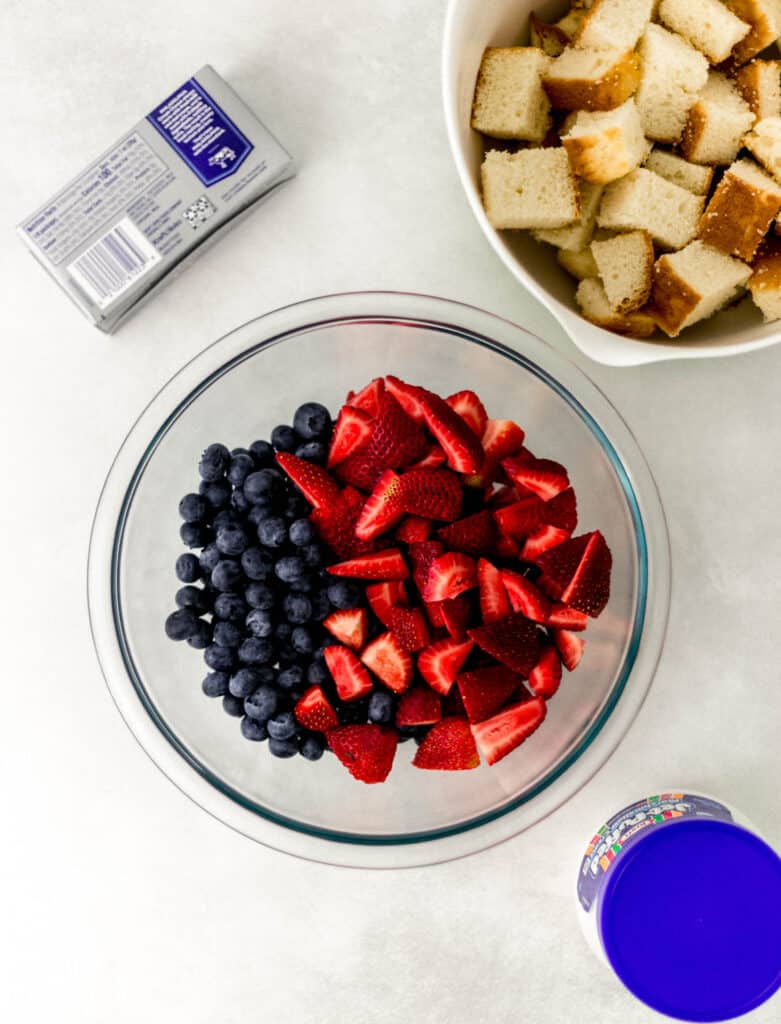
x: 510, y: 102
x: 606, y: 145
x: 534, y: 188
x: 765, y: 282
x: 764, y: 19
x: 626, y: 264
x: 579, y: 234
x: 708, y: 25
x: 673, y: 74
x: 578, y: 262
x: 593, y: 304
x: 759, y: 83
x: 764, y: 142
x: 610, y: 23
x: 551, y: 39
x: 693, y: 284
x: 644, y: 201
x: 592, y: 79
x: 716, y: 123
x: 741, y: 210
x: 695, y: 178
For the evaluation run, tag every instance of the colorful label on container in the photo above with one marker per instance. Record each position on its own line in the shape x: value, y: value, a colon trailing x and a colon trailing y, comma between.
x: 624, y: 828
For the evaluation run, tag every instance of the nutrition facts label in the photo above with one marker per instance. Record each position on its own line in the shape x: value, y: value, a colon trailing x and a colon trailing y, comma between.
x: 99, y: 196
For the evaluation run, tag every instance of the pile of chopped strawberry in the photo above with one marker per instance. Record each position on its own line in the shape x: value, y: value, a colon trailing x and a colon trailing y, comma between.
x: 477, y: 589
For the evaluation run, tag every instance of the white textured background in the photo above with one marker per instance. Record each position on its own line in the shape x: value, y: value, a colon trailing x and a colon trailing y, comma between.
x: 121, y: 900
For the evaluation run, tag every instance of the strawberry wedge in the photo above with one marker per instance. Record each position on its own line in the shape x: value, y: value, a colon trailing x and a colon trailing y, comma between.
x: 500, y: 735
x: 382, y: 565
x: 382, y: 597
x: 543, y: 477
x: 494, y: 602
x: 486, y: 690
x: 450, y: 575
x: 440, y: 663
x: 471, y: 410
x: 525, y: 597
x: 352, y: 431
x: 545, y: 677
x: 351, y: 678
x: 388, y: 661
x: 449, y: 746
x: 459, y: 442
x: 366, y: 751
x: 319, y: 489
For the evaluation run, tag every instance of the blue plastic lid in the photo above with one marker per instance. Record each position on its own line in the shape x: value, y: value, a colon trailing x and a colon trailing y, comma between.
x: 690, y: 919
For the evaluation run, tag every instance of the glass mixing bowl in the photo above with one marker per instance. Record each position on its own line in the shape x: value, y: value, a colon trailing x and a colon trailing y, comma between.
x: 238, y: 390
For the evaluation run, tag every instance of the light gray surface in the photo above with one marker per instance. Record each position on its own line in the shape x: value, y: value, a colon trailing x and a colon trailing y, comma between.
x: 123, y: 901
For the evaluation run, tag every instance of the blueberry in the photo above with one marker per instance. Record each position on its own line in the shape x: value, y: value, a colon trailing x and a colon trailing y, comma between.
x: 283, y: 631
x: 272, y: 532
x: 301, y: 532
x: 353, y: 713
x: 304, y: 585
x: 283, y: 748
x: 241, y: 465
x: 282, y: 725
x: 233, y: 705
x: 202, y: 637
x: 380, y: 707
x: 262, y: 703
x: 230, y: 607
x: 181, y: 624
x: 215, y: 684
x: 227, y: 634
x: 226, y: 575
x: 265, y: 484
x: 405, y: 732
x: 267, y: 675
x: 327, y: 641
x: 312, y: 451
x: 312, y: 746
x: 285, y: 439
x: 193, y: 597
x: 259, y: 511
x: 297, y: 609
x: 321, y: 606
x: 244, y: 682
x: 251, y: 729
x: 259, y: 623
x: 421, y: 733
x: 263, y: 453
x: 188, y: 568
x: 240, y: 502
x: 312, y: 420
x: 195, y: 535
x: 257, y: 563
x: 343, y: 594
x: 312, y: 555
x: 216, y: 492
x: 214, y: 462
x: 210, y: 556
x: 194, y: 508
x: 288, y: 655
x: 290, y: 569
x: 259, y: 595
x: 317, y: 674
x: 256, y: 652
x: 232, y: 540
x: 220, y: 659
x: 227, y: 517
x: 290, y: 678
x: 302, y: 640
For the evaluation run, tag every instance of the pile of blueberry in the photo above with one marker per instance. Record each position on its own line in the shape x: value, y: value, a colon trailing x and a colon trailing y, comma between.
x: 255, y: 596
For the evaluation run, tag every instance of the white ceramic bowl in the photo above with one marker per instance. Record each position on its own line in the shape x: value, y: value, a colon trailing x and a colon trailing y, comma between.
x: 471, y: 26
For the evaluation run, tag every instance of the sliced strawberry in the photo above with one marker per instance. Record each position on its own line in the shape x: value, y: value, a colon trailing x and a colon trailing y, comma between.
x: 409, y: 397
x: 433, y: 458
x: 562, y: 617
x: 414, y: 530
x: 542, y: 540
x: 384, y: 596
x: 474, y: 535
x: 560, y: 564
x: 368, y: 398
x: 456, y: 613
x: 351, y: 678
x: 366, y: 751
x: 513, y: 641
x: 545, y: 677
x: 502, y: 438
x: 499, y: 735
x: 450, y: 575
x: 506, y: 547
x: 562, y: 511
x: 525, y: 597
x: 486, y: 690
x: 448, y: 746
x: 409, y: 627
x: 440, y: 663
x: 319, y: 489
x: 350, y: 627
x: 486, y: 476
x: 521, y: 518
x: 381, y: 565
x: 358, y: 471
x: 314, y: 711
x: 423, y: 555
x: 470, y: 409
x: 396, y: 440
x: 388, y: 662
x: 352, y: 431
x: 452, y: 703
x: 383, y: 508
x: 432, y: 493
x: 335, y: 524
x: 570, y: 647
x: 460, y: 443
x: 494, y: 602
x: 434, y: 613
x: 542, y: 476
x: 503, y: 496
x: 589, y: 589
x: 419, y: 706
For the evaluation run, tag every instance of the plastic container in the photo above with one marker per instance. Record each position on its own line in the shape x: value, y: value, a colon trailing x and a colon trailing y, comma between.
x: 680, y: 896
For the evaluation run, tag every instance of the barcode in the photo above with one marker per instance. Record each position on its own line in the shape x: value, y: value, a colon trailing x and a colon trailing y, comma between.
x: 113, y: 263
